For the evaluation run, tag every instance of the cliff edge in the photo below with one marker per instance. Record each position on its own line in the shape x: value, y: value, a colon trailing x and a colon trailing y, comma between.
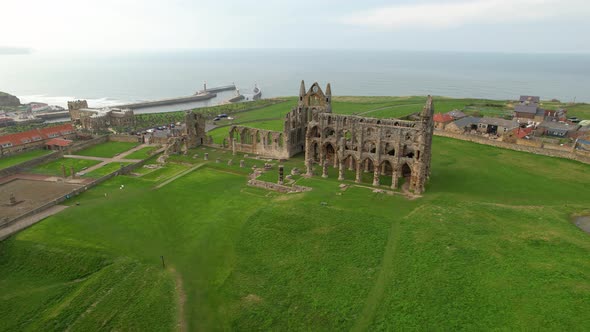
x: 8, y: 99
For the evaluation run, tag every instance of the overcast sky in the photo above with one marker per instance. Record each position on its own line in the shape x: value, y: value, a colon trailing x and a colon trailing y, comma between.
x: 448, y: 25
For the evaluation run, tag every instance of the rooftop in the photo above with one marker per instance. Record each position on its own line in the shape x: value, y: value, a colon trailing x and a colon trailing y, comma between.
x: 523, y: 108
x: 499, y: 122
x: 530, y: 99
x: 466, y: 121
x: 557, y: 125
x: 439, y: 117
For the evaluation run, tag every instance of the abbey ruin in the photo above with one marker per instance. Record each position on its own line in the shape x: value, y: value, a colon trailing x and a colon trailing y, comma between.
x: 390, y: 147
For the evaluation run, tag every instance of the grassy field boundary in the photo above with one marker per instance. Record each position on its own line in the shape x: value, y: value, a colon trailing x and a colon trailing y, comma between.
x: 30, y: 163
x: 181, y: 174
x: 572, y: 155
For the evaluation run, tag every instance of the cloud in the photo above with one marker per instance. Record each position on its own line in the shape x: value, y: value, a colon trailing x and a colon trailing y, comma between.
x: 459, y: 13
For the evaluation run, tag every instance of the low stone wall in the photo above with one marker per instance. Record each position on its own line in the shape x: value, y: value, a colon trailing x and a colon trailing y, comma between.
x: 30, y: 163
x: 81, y: 145
x: 124, y: 138
x: 277, y: 187
x: 56, y: 201
x: 562, y: 152
x: 123, y: 170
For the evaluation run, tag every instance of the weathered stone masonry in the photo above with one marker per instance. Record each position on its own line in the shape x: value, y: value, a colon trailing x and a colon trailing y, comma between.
x: 392, y: 147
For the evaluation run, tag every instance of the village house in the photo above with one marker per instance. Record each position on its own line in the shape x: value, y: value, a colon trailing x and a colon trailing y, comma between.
x: 456, y: 114
x: 441, y: 120
x: 557, y: 129
x: 463, y: 125
x: 37, y: 138
x: 528, y: 109
x: 496, y: 126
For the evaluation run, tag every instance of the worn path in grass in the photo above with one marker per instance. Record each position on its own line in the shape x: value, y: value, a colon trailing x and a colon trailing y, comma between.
x: 179, y: 175
x: 385, y: 275
x: 104, y: 161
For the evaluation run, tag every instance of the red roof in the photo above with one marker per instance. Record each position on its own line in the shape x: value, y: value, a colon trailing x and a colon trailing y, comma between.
x: 523, y: 132
x: 59, y: 142
x: 439, y: 117
x: 36, y: 135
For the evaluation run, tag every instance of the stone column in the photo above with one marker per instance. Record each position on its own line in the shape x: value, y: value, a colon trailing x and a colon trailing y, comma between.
x: 366, y: 166
x: 72, y: 173
x: 325, y: 168
x: 309, y: 166
x: 376, y: 173
x: 241, y: 164
x: 350, y: 164
x: 394, y: 178
x: 358, y: 172
x: 233, y: 146
x: 63, y: 171
x: 206, y: 156
x: 308, y: 161
x: 341, y: 171
x: 281, y: 170
x: 335, y: 160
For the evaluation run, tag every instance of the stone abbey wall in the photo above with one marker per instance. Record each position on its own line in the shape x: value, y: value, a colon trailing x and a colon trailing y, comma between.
x: 394, y: 147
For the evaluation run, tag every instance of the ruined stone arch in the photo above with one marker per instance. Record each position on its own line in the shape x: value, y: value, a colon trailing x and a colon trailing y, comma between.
x: 329, y: 151
x: 370, y: 146
x: 314, y: 132
x: 281, y: 139
x: 269, y: 138
x: 389, y: 149
x: 329, y: 131
x: 246, y: 136
x: 368, y: 165
x: 235, y: 134
x: 315, y: 151
x: 406, y: 171
x: 408, y: 151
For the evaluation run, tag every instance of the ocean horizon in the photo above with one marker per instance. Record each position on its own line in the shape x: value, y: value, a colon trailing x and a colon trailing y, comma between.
x: 106, y: 79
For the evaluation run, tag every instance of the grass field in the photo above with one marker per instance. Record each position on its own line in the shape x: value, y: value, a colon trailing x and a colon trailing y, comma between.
x: 54, y: 167
x: 106, y: 169
x: 487, y: 247
x: 6, y: 162
x: 142, y: 153
x: 107, y: 149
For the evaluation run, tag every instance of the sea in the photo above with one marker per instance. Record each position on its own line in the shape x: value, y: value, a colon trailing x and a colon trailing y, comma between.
x: 111, y: 78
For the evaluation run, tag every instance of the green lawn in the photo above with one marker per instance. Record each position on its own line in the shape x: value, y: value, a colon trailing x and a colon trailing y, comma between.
x: 489, y: 246
x: 105, y: 170
x: 142, y: 153
x: 54, y: 167
x: 6, y: 162
x: 107, y: 149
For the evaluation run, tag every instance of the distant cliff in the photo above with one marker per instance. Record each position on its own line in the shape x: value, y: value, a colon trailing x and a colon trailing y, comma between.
x: 8, y: 100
